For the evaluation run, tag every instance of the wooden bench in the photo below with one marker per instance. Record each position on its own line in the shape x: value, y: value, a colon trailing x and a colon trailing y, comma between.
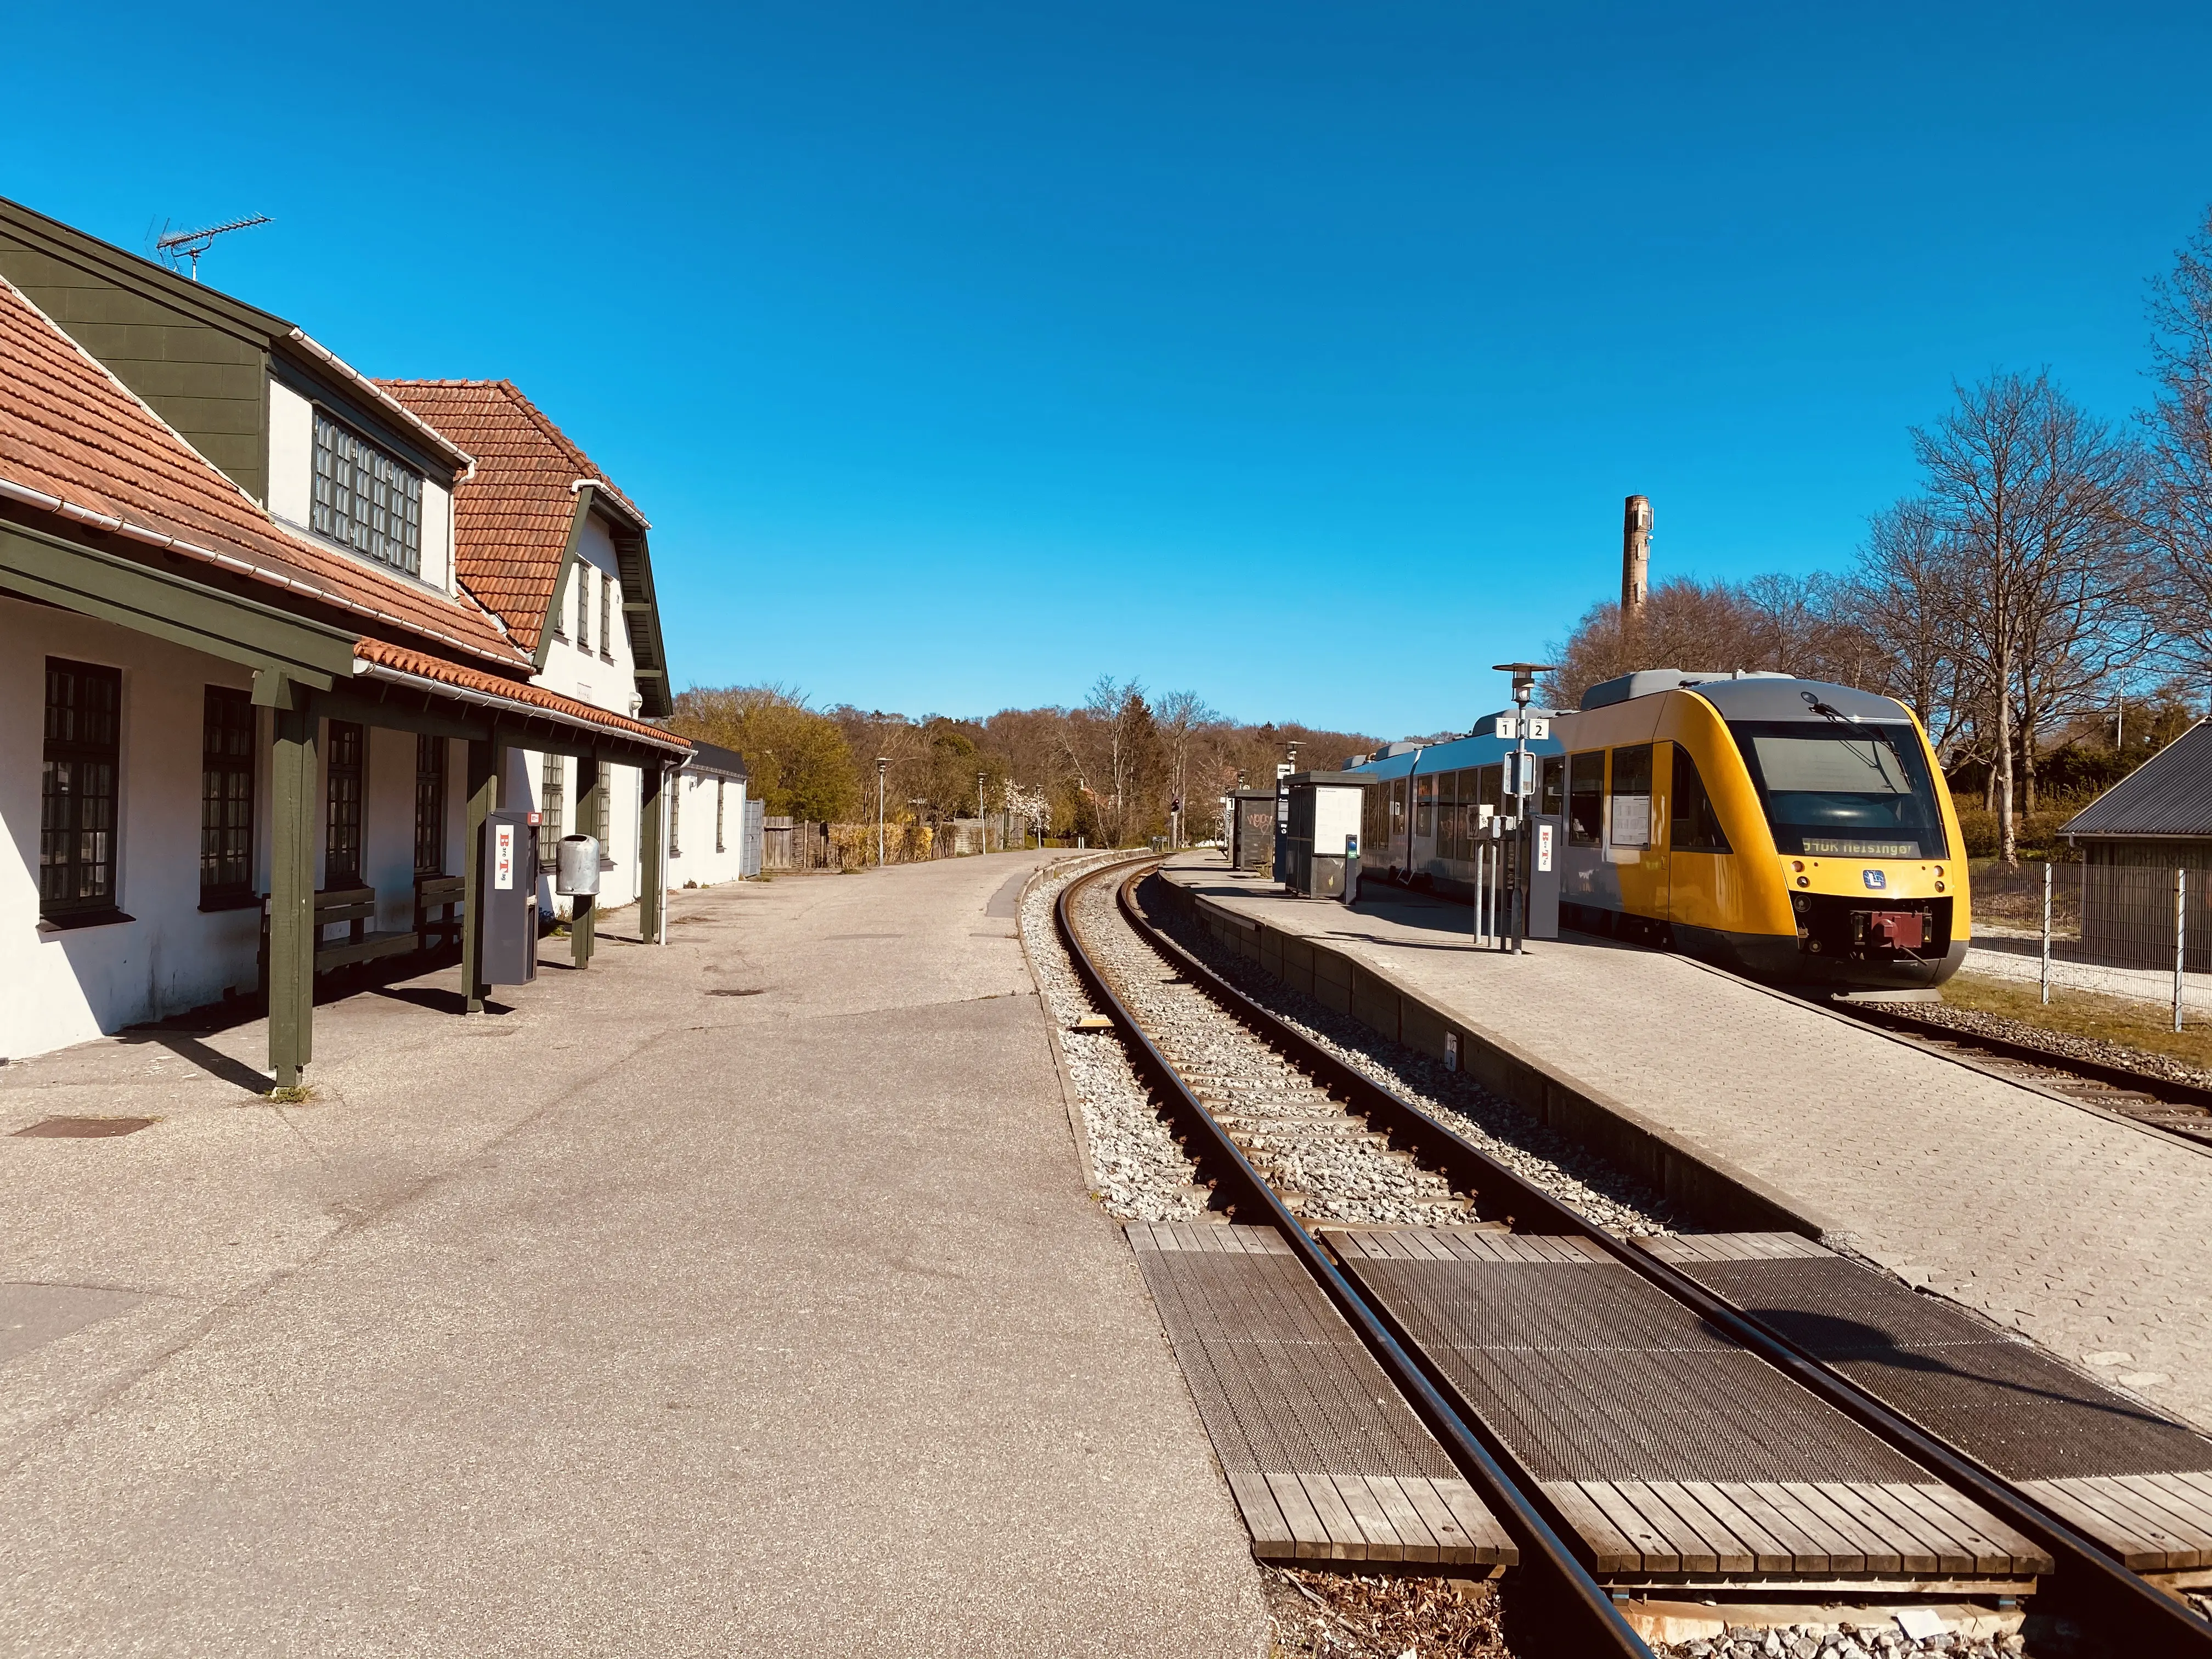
x: 355, y: 908
x: 444, y: 894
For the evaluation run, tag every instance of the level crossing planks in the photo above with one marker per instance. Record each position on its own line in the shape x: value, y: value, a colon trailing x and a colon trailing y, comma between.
x: 1668, y: 1451
x: 1324, y: 1459
x: 2105, y: 1462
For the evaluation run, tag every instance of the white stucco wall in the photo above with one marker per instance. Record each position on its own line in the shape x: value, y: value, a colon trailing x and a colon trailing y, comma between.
x: 696, y: 860
x: 64, y: 987
x: 603, y: 675
x: 618, y: 886
x: 291, y: 455
x: 437, y: 537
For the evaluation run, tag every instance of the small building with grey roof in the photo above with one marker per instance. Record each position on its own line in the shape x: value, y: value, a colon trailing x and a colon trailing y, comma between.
x: 2146, y: 847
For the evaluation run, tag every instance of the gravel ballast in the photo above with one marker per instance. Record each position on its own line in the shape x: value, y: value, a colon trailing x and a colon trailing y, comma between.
x: 1615, y: 1201
x: 1141, y: 1174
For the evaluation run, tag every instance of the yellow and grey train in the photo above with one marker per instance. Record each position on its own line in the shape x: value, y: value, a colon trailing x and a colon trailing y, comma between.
x: 1791, y: 830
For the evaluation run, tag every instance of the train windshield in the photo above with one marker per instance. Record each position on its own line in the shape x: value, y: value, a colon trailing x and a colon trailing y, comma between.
x: 1844, y: 789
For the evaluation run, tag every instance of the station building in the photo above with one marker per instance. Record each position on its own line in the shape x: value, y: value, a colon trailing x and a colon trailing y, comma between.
x: 272, y: 642
x: 714, y: 827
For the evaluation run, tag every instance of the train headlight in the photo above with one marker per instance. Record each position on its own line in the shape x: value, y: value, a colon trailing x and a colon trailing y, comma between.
x: 1939, y: 886
x: 1939, y: 869
x: 1804, y: 881
x: 1796, y: 864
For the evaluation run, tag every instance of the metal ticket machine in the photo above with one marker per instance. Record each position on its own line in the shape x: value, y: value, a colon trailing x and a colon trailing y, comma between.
x: 1547, y: 836
x: 509, y: 938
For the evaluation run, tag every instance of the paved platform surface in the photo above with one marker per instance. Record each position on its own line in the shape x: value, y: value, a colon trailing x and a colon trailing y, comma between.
x: 2084, y: 1234
x: 634, y: 1319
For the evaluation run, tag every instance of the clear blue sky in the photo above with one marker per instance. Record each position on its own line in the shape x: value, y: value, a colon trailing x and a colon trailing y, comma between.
x: 1298, y: 354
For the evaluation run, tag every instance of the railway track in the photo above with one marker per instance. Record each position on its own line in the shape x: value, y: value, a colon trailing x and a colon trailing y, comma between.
x: 1318, y: 1143
x: 2178, y: 1108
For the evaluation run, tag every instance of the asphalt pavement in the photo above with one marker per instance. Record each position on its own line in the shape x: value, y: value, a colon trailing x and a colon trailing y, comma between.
x: 739, y: 1296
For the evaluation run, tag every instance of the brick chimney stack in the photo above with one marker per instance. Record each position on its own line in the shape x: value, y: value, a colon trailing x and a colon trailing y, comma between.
x: 1635, y: 555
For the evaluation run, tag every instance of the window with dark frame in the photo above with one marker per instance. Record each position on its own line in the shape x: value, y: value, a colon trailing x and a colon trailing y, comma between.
x: 560, y: 609
x: 227, y: 794
x: 552, y: 808
x: 77, y: 793
x: 719, y: 787
x: 583, y: 607
x: 1552, y: 791
x: 342, y: 789
x: 430, y: 769
x: 365, y: 499
x: 1692, y: 825
x: 606, y: 616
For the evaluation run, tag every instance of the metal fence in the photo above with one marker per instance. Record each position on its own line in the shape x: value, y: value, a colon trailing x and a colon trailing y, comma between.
x: 2141, y: 915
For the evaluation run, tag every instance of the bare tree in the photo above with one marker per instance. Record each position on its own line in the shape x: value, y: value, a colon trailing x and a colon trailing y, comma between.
x: 2177, y: 514
x: 1181, y: 718
x: 1107, y: 744
x: 2034, y: 499
x: 1906, y: 598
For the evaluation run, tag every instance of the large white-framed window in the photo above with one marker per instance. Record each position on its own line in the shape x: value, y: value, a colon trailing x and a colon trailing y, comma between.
x: 365, y: 499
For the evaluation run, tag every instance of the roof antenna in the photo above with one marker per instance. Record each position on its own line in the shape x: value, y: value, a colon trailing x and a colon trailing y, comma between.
x: 174, y: 245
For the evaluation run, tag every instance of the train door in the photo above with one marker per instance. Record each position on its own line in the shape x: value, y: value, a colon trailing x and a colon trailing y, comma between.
x: 1698, y: 869
x: 1636, y: 832
x: 1424, y: 825
x: 1584, y: 878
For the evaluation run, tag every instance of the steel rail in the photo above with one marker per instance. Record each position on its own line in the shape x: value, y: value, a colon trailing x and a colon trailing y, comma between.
x: 2090, y: 1578
x: 2171, y: 1091
x: 1583, y: 1619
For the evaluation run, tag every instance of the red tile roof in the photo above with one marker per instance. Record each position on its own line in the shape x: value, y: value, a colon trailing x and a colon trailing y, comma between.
x: 511, y: 517
x: 427, y: 667
x: 75, y: 441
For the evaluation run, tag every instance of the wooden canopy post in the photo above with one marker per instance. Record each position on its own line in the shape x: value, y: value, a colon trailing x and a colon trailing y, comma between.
x: 583, y: 919
x: 653, y: 851
x: 485, y: 762
x: 292, y: 774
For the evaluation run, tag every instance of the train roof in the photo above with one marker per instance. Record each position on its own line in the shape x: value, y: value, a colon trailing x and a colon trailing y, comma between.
x: 1748, y: 696
x: 1479, y: 748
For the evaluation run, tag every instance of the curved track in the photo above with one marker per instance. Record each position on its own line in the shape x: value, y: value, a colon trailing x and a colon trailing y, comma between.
x: 2090, y: 1583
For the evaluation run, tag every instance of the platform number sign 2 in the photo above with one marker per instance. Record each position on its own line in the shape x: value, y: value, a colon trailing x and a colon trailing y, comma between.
x: 502, y: 864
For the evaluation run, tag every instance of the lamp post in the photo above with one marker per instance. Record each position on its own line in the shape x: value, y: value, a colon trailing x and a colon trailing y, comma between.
x: 982, y: 824
x: 1524, y: 683
x: 883, y: 766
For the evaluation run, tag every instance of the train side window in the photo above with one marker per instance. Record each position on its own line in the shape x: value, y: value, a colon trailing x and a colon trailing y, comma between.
x: 1693, y: 825
x: 1425, y: 807
x: 1552, y: 799
x: 1493, y: 788
x: 1585, y: 798
x: 1631, y: 796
